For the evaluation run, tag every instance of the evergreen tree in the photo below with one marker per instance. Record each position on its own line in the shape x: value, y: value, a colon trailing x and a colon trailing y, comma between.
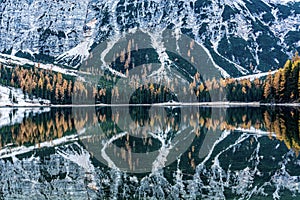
x: 298, y: 85
x: 282, y: 93
x: 287, y: 90
x: 293, y: 82
x: 10, y: 95
x: 268, y: 91
x: 14, y: 99
x: 276, y: 84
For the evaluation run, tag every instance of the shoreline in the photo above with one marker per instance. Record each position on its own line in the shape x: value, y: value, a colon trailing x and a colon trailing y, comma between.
x: 175, y: 104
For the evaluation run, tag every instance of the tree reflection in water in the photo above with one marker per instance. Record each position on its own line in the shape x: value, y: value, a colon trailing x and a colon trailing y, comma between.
x: 239, y: 154
x: 34, y: 129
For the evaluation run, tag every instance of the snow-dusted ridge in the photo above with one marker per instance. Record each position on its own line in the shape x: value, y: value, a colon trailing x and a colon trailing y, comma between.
x: 282, y: 1
x: 254, y: 76
x: 78, y: 54
x: 14, y: 60
x: 258, y: 26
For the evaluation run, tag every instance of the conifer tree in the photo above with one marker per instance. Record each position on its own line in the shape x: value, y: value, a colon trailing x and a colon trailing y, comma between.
x: 268, y: 88
x: 287, y: 90
x: 293, y: 82
x: 276, y: 84
x: 10, y: 95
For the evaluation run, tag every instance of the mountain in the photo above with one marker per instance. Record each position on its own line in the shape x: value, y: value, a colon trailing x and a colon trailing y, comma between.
x: 242, y: 36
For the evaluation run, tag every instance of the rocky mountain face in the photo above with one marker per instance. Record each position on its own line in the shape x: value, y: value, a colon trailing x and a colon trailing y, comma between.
x: 242, y: 36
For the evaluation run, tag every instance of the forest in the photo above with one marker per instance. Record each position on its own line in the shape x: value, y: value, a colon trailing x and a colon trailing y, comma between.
x: 281, y: 86
x: 37, y: 82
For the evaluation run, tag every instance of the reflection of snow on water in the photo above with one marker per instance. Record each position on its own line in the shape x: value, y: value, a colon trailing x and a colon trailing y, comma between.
x: 71, y: 172
x: 283, y: 180
x: 9, y: 116
x: 81, y: 157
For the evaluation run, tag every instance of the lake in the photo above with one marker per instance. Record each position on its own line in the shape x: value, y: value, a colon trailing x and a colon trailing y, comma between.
x: 155, y: 152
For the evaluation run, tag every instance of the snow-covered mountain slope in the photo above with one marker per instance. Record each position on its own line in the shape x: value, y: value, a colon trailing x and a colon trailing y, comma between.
x: 9, y: 60
x: 254, y: 76
x: 242, y: 36
x: 10, y: 96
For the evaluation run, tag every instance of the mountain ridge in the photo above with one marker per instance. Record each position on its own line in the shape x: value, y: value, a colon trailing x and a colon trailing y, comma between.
x: 64, y: 31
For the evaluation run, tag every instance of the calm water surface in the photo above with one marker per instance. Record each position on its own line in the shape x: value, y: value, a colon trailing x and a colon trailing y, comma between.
x: 150, y: 152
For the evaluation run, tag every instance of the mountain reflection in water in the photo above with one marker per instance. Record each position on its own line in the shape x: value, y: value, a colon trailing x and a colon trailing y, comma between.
x: 144, y: 152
